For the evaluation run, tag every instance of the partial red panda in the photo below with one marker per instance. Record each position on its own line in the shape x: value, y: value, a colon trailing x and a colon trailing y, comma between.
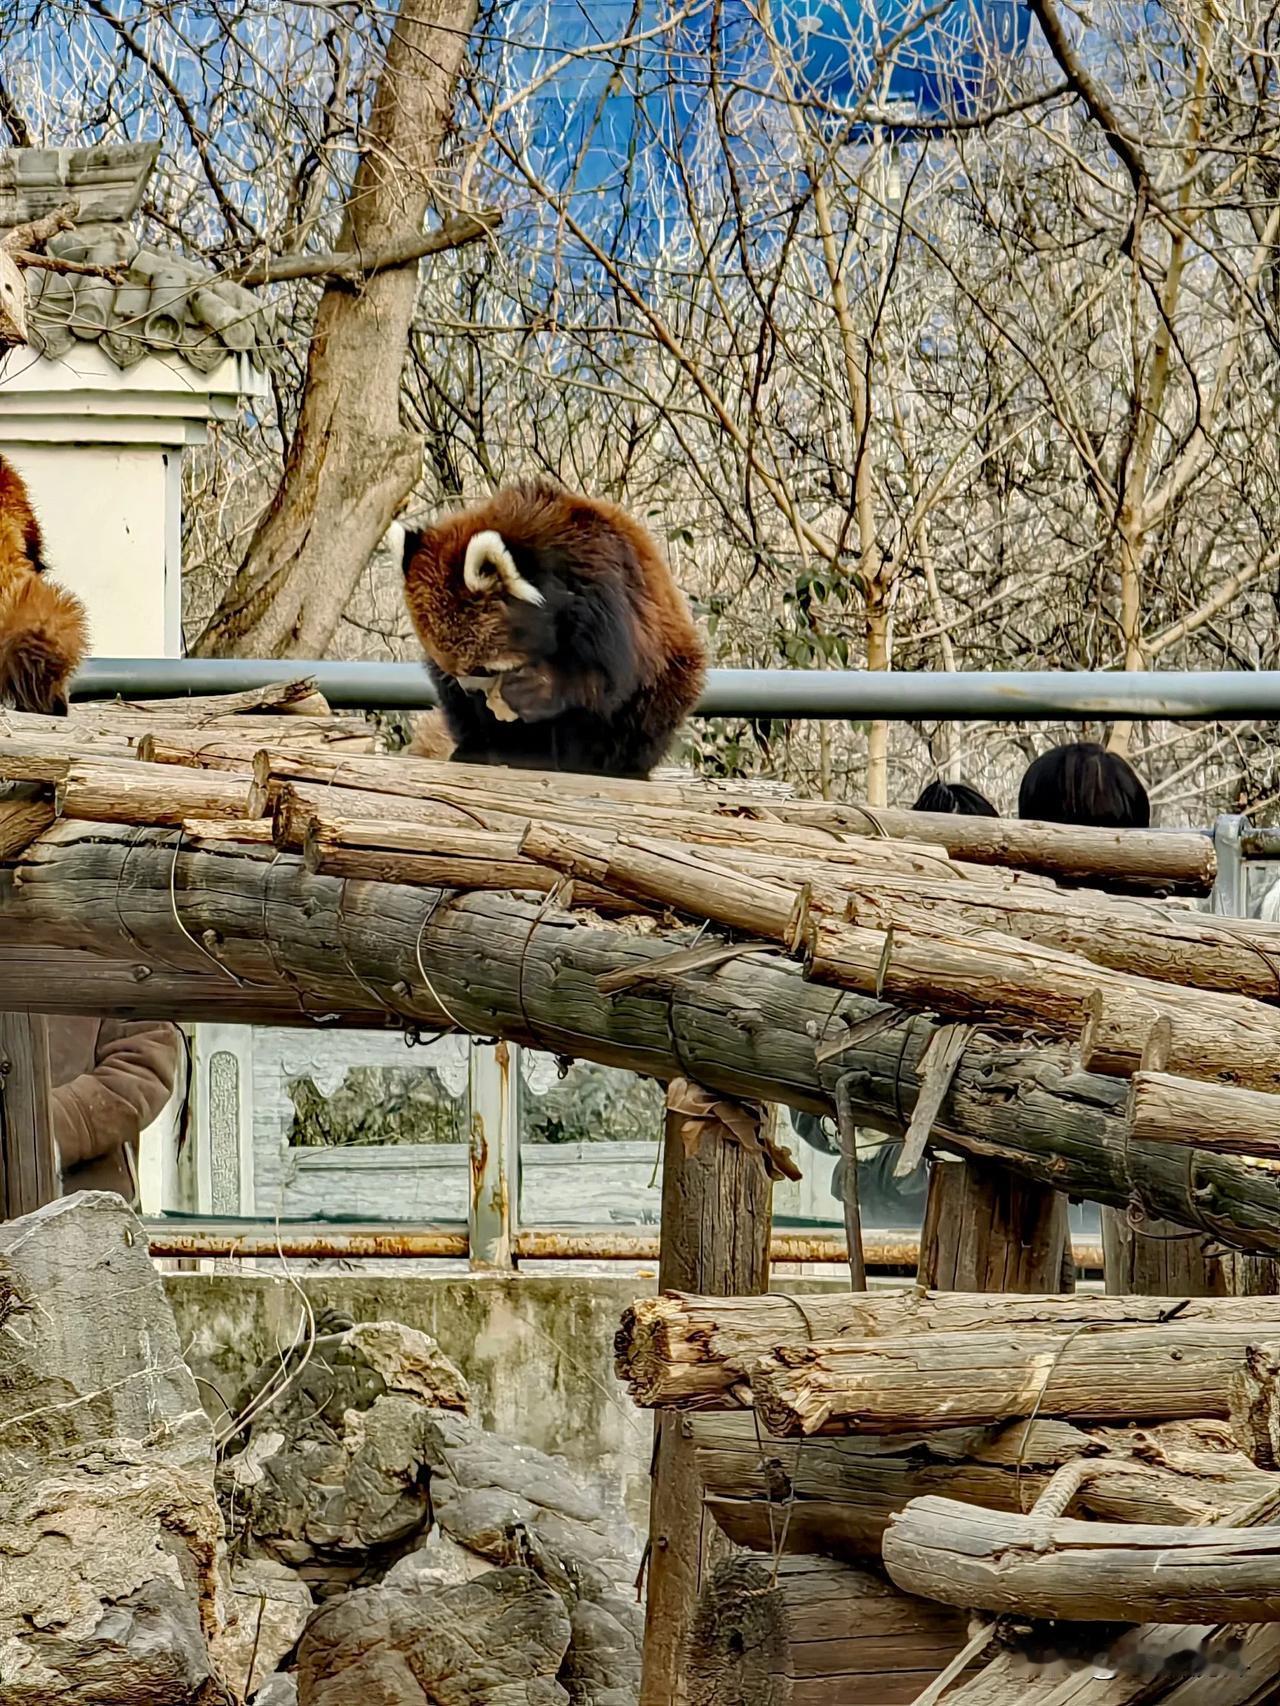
x: 554, y: 633
x: 44, y: 633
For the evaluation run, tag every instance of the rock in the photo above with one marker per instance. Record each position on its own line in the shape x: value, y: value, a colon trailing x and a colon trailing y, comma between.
x: 109, y: 1529
x: 333, y: 1478
x: 267, y: 1609
x: 485, y: 1487
x: 279, y: 1691
x: 89, y: 1350
x: 498, y: 1641
x: 438, y: 1563
x: 513, y: 1505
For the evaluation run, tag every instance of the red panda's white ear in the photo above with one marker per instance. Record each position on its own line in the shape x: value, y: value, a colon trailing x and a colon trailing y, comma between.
x: 488, y: 561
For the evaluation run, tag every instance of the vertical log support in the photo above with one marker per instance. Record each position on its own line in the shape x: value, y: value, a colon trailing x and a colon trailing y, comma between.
x: 1157, y: 1258
x: 716, y: 1199
x: 29, y: 1175
x: 987, y: 1229
x: 494, y: 1146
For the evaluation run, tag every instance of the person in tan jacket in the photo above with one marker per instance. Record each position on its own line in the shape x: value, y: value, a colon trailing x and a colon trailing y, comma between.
x: 110, y: 1079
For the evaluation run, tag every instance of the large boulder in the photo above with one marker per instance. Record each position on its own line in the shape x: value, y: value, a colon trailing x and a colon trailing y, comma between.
x: 333, y: 1477
x: 109, y: 1528
x: 511, y: 1504
x: 497, y: 1641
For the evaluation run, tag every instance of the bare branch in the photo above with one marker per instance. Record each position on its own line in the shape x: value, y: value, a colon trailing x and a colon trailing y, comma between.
x: 455, y: 233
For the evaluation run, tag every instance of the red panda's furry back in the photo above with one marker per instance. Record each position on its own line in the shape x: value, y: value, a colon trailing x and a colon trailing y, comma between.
x: 44, y: 633
x: 554, y: 632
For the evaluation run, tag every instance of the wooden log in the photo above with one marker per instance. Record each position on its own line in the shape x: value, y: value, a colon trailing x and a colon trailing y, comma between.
x: 748, y: 1025
x: 1163, y: 1108
x: 1162, y: 1258
x: 280, y: 696
x: 1006, y: 1563
x: 120, y: 792
x: 1172, y: 944
x: 462, y: 859
x: 988, y: 1230
x: 1167, y: 1373
x: 26, y: 810
x: 29, y: 1170
x: 678, y: 877
x: 219, y: 750
x: 1143, y: 861
x: 716, y: 1198
x: 1125, y: 1031
x: 813, y: 1633
x: 1005, y: 981
x: 1133, y: 860
x: 255, y: 831
x: 836, y: 1496
x: 1176, y: 1664
x: 698, y: 1352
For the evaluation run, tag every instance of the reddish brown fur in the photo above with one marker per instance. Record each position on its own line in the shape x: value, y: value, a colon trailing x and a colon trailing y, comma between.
x: 623, y: 619
x: 430, y: 738
x: 44, y: 632
x: 461, y: 634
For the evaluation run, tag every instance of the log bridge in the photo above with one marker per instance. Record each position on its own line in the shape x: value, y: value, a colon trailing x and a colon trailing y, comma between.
x: 990, y: 1488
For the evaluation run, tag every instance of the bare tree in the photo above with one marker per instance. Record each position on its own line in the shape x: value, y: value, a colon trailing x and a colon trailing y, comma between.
x: 351, y: 463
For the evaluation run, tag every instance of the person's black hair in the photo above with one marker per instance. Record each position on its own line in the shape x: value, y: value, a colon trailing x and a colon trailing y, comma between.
x: 955, y: 797
x: 1085, y: 784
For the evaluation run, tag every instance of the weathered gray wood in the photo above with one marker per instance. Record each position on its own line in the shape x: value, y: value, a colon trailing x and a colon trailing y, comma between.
x: 697, y: 1352
x: 1003, y: 1561
x: 29, y: 1174
x: 1106, y: 1375
x: 513, y: 967
x: 836, y: 1496
x: 815, y: 1633
x: 716, y: 1199
x: 987, y: 1229
x: 1160, y: 1258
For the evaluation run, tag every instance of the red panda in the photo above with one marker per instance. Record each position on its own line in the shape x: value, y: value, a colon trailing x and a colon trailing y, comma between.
x: 554, y: 632
x: 44, y: 633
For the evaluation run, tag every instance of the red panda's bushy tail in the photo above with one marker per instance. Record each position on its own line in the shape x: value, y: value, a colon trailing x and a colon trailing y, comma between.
x: 44, y: 636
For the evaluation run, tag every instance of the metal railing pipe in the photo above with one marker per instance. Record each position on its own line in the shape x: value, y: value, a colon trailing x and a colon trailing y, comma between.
x: 903, y: 696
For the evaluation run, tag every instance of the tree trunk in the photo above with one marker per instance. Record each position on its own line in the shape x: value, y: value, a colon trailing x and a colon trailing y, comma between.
x: 716, y: 1200
x: 815, y: 1633
x: 350, y: 464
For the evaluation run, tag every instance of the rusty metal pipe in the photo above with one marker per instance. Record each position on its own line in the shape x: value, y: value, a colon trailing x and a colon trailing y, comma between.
x: 889, y: 1250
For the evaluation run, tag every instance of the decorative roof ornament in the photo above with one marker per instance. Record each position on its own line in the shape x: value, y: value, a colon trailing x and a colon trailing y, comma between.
x: 158, y: 302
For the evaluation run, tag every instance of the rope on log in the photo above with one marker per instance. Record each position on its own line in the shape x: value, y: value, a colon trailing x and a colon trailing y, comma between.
x: 253, y: 926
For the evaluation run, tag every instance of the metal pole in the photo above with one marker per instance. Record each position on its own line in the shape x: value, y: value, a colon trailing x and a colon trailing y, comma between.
x: 1229, y: 897
x: 860, y: 695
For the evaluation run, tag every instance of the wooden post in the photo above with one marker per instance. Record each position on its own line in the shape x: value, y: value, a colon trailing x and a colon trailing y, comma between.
x: 29, y: 1175
x: 987, y: 1229
x: 1157, y: 1258
x: 715, y: 1239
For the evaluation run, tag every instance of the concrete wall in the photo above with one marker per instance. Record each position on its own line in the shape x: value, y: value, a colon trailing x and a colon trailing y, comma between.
x: 105, y: 513
x: 537, y: 1350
